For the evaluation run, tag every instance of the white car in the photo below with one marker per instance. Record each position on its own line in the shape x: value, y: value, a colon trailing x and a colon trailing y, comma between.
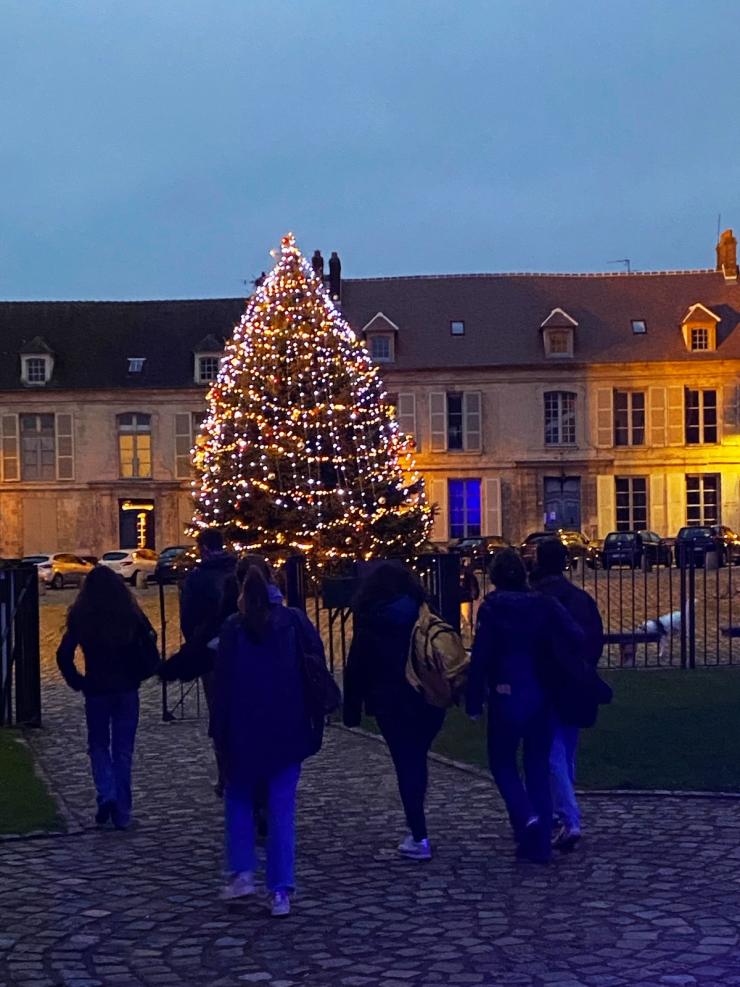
x: 60, y: 569
x: 129, y: 564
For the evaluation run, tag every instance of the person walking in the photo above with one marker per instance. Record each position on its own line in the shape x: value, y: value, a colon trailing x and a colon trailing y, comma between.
x: 548, y: 578
x: 262, y: 731
x: 120, y: 651
x: 469, y: 593
x: 385, y: 610
x: 208, y: 597
x: 519, y: 634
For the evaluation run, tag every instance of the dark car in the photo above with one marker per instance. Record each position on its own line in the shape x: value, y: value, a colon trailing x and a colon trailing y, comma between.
x: 173, y: 564
x: 479, y: 550
x: 694, y: 543
x: 635, y: 549
x: 580, y: 550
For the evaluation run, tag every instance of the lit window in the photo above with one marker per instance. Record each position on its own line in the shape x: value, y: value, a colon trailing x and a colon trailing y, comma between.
x: 136, y: 364
x: 208, y: 367
x: 699, y: 339
x: 639, y: 327
x: 560, y: 418
x: 558, y: 342
x: 36, y: 370
x: 380, y: 348
x: 135, y: 446
x: 465, y: 508
x: 457, y: 328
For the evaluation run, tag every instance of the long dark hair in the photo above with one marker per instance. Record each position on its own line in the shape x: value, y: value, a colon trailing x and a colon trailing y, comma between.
x: 105, y: 610
x: 254, y: 602
x: 384, y: 584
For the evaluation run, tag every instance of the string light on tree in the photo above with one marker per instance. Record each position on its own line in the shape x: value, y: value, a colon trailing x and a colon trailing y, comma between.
x: 300, y: 450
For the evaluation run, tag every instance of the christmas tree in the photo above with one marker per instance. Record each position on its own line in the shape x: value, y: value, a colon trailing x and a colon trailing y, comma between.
x: 300, y: 450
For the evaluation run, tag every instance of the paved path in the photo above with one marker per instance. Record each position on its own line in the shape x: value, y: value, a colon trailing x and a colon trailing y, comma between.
x: 651, y: 898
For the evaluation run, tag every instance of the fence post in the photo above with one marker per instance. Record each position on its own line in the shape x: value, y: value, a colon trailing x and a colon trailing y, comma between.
x: 448, y: 586
x: 691, y: 604
x: 27, y: 652
x: 295, y: 581
x: 166, y: 715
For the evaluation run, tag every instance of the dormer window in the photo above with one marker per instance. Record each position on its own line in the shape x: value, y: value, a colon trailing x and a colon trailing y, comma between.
x: 700, y: 338
x: 558, y: 333
x: 457, y: 327
x: 136, y: 364
x: 37, y: 363
x: 35, y: 370
x: 381, y: 347
x: 639, y: 327
x: 208, y: 356
x: 380, y: 337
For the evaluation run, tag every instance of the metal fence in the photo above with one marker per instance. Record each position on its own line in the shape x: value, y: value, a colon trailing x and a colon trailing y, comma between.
x: 663, y: 616
x: 20, y: 666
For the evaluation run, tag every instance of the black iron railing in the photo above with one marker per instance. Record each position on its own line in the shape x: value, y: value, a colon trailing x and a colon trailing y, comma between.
x: 20, y: 665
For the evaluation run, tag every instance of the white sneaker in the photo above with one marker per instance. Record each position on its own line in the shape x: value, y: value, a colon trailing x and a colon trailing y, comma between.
x: 240, y: 886
x: 279, y: 904
x: 415, y: 849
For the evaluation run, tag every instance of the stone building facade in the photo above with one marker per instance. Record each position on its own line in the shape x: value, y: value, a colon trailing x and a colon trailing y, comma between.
x: 587, y: 401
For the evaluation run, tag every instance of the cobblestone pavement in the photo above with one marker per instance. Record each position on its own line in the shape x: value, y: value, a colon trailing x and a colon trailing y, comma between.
x: 651, y: 898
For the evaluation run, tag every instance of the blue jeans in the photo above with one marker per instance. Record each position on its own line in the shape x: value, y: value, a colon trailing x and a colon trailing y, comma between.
x: 563, y: 775
x: 241, y: 853
x: 530, y: 796
x: 112, y: 719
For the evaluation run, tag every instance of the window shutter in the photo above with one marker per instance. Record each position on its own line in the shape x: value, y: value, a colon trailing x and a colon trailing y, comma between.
x: 406, y: 413
x: 605, y: 505
x: 676, y: 501
x: 675, y: 415
x: 472, y: 417
x: 729, y: 485
x: 9, y: 448
x: 183, y: 444
x: 604, y: 416
x: 731, y: 414
x: 438, y: 421
x: 438, y: 499
x: 658, y: 416
x: 492, y: 507
x: 65, y: 446
x: 657, y: 505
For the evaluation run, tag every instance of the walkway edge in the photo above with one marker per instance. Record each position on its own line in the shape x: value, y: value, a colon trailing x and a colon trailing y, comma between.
x: 477, y: 772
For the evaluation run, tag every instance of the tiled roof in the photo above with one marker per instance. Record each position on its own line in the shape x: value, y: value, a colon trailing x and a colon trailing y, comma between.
x: 503, y: 314
x: 92, y: 341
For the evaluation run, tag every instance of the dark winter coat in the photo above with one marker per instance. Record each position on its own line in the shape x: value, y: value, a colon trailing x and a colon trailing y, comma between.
x: 582, y: 608
x: 523, y: 641
x: 259, y: 720
x: 203, y: 596
x: 375, y: 676
x: 469, y: 586
x: 119, y: 666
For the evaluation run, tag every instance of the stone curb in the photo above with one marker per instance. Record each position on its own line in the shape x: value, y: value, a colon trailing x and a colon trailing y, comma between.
x: 472, y: 769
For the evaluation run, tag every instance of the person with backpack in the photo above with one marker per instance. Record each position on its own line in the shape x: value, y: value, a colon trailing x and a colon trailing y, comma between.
x: 120, y: 651
x: 263, y: 728
x: 548, y: 578
x: 385, y: 611
x: 519, y: 646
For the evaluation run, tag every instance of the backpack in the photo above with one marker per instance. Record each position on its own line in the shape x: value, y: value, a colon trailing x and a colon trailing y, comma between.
x: 437, y: 664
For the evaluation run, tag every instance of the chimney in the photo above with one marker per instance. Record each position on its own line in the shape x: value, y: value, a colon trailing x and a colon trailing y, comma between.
x: 727, y: 256
x: 335, y: 276
x: 317, y: 263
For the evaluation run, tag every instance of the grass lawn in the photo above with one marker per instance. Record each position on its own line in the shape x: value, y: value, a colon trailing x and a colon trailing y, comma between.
x: 25, y: 804
x: 664, y: 729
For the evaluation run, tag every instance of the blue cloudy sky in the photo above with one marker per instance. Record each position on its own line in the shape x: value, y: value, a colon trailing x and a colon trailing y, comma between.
x: 160, y: 148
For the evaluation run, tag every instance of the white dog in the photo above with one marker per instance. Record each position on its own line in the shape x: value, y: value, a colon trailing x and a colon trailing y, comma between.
x: 666, y: 626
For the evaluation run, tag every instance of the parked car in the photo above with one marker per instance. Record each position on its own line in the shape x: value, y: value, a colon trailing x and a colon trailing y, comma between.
x: 480, y: 550
x: 129, y: 564
x: 699, y: 540
x: 60, y: 569
x: 173, y: 563
x: 634, y: 549
x: 580, y: 550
